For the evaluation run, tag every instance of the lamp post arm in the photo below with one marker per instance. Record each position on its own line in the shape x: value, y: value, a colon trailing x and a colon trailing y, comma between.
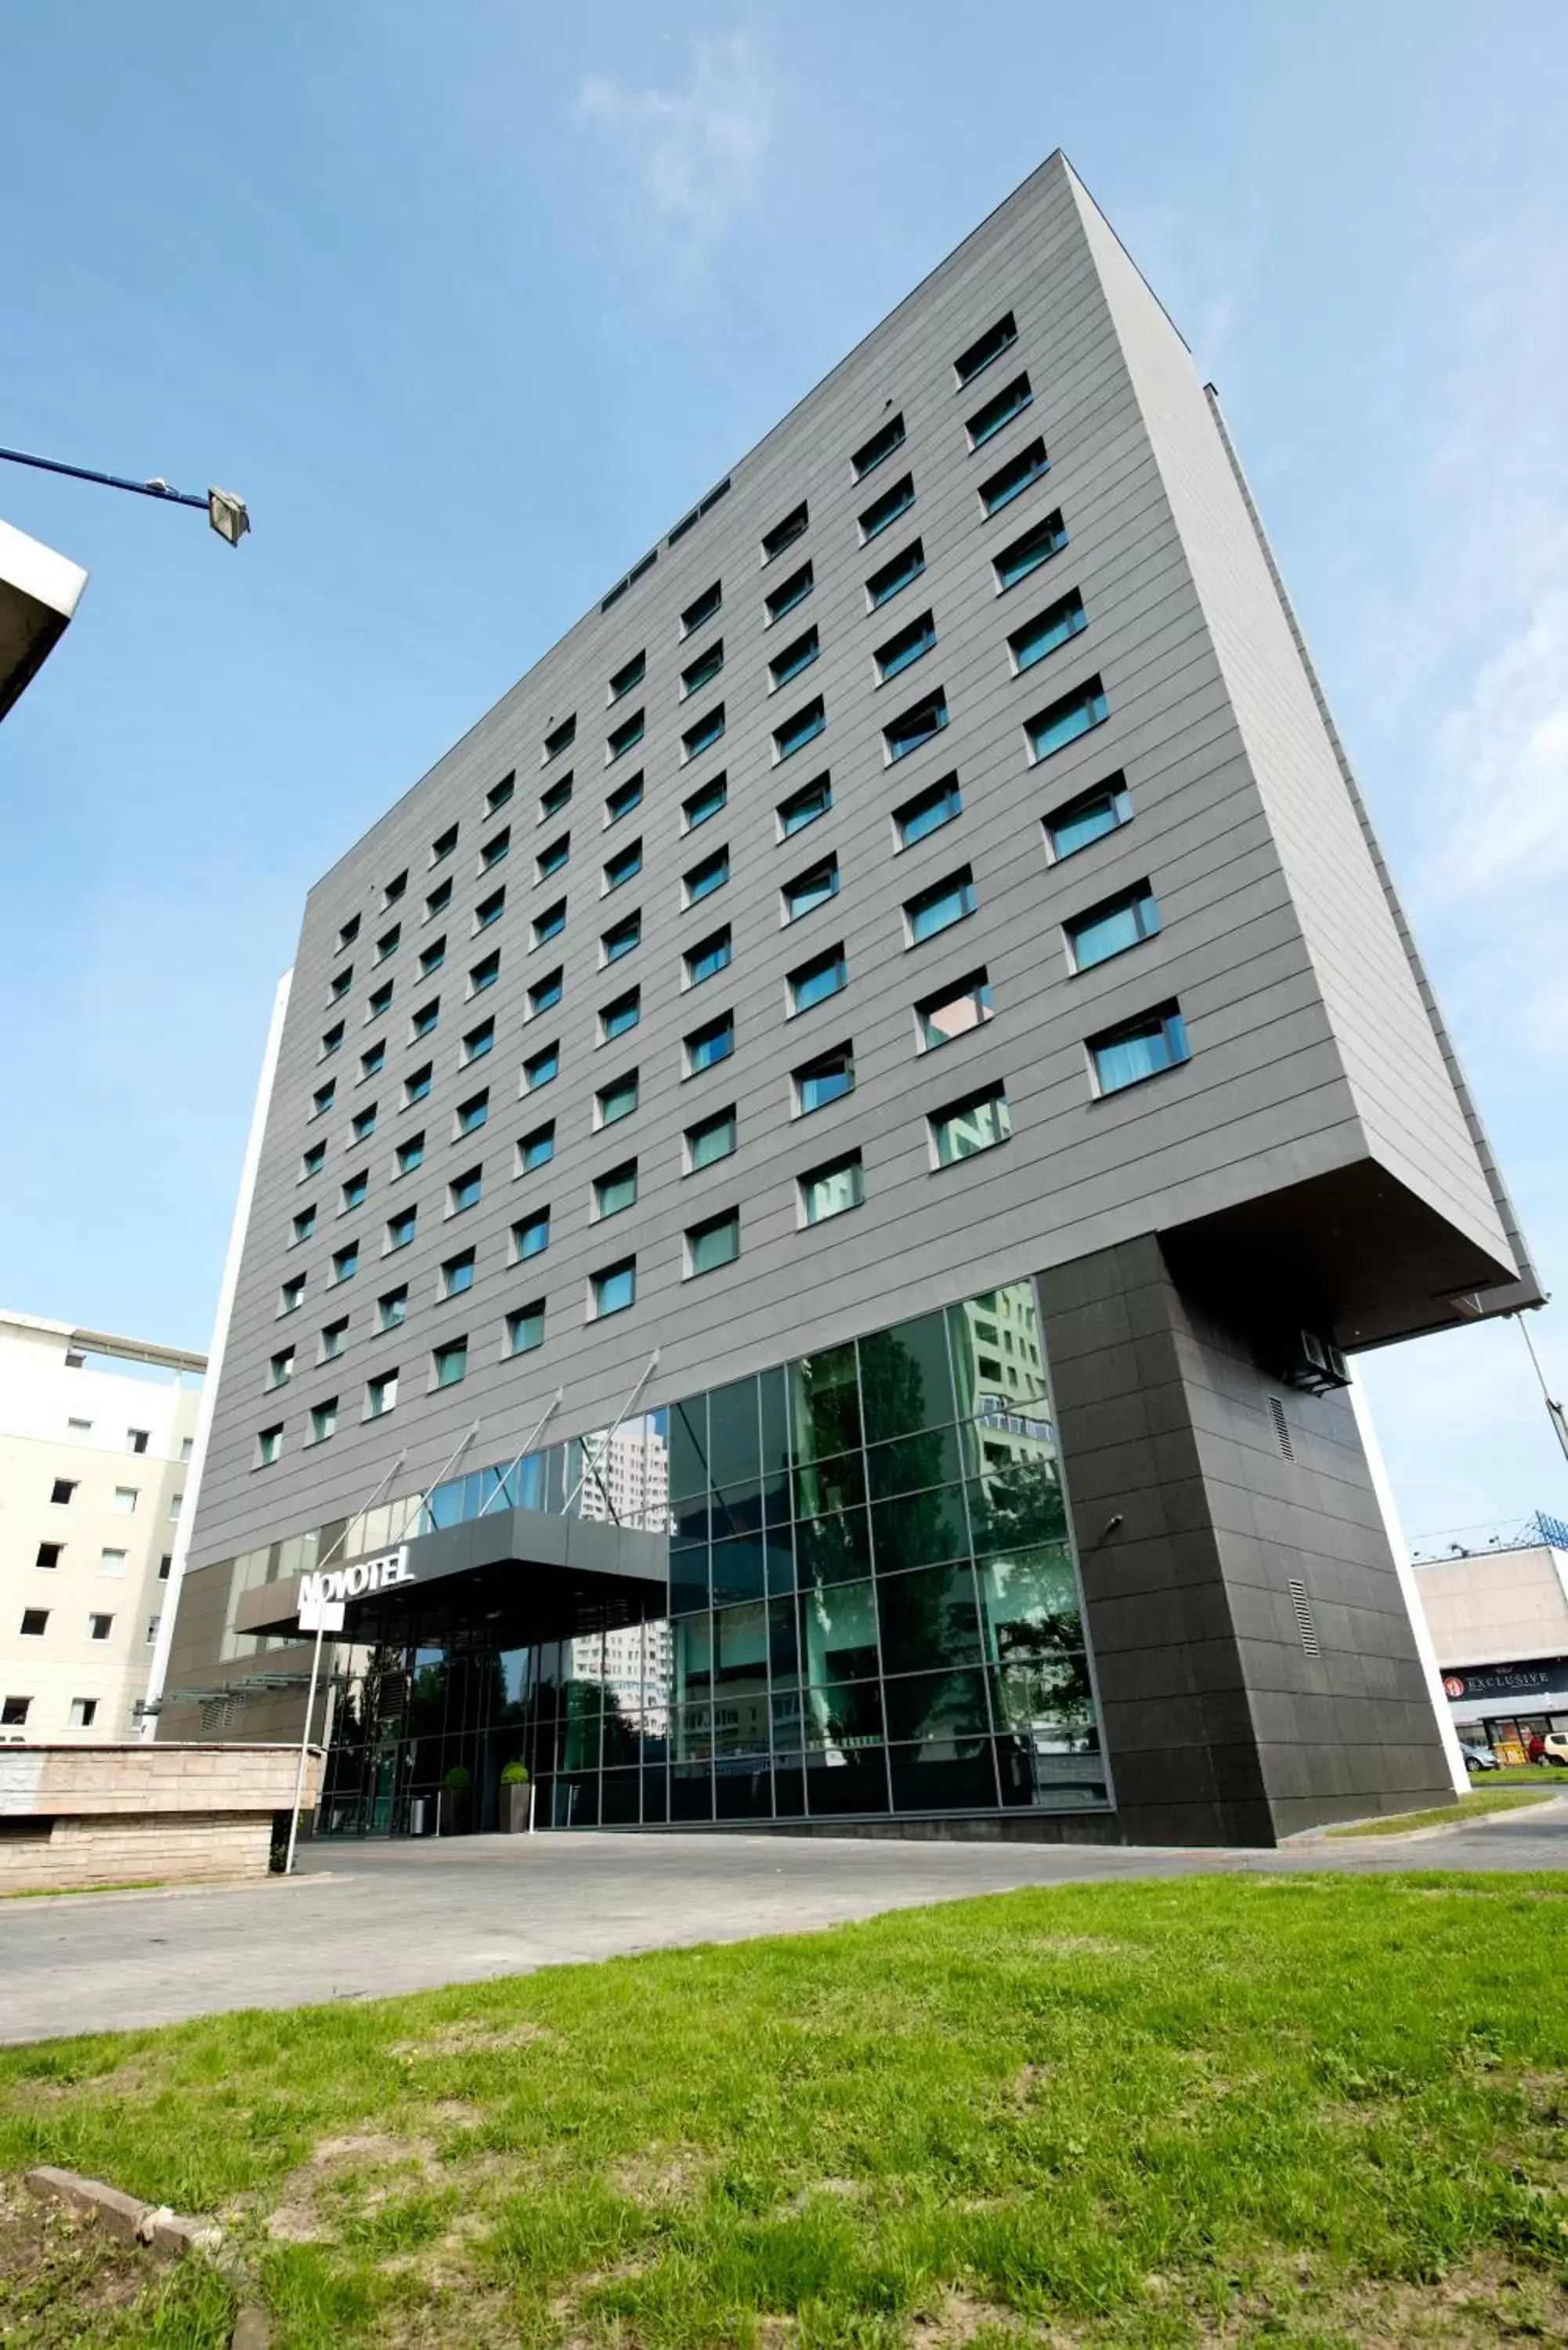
x: 155, y: 488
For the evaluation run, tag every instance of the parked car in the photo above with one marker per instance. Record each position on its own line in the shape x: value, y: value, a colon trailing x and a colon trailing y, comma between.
x: 1478, y: 1758
x: 1556, y: 1744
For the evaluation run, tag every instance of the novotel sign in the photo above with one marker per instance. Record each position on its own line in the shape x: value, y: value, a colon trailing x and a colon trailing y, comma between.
x: 339, y: 1583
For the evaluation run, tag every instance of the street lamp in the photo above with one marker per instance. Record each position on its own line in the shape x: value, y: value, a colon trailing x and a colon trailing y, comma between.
x: 225, y: 512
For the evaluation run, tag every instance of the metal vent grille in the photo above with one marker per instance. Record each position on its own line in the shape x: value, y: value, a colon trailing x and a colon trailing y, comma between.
x: 220, y: 1713
x: 1304, y: 1617
x: 1281, y: 1429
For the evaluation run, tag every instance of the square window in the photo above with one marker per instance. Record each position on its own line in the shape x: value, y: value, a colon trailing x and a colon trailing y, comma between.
x: 464, y: 1191
x: 290, y: 1297
x: 84, y: 1712
x: 416, y: 1085
x: 372, y: 1063
x: 331, y: 1041
x: 387, y: 945
x: 432, y: 958
x: 784, y: 534
x: 939, y: 907
x: 550, y: 860
x: 280, y: 1370
x: 346, y: 1261
x: 561, y: 738
x: 629, y: 674
x: 35, y: 1623
x: 624, y: 867
x: 99, y: 1627
x: 712, y: 1138
x: 552, y: 801
x: 449, y: 1364
x: 625, y: 737
x: 825, y: 1079
x: 478, y: 1042
x: 444, y: 845
x: 613, y: 1290
x: 999, y: 409
x: 364, y: 1126
x: 439, y: 899
x: 485, y: 973
x: 394, y: 889
x: 622, y: 940
x: 795, y: 658
x: 880, y: 448
x: 715, y: 1241
x: 616, y: 1100
x: 348, y: 933
x: 1018, y: 475
x: 532, y: 1236
x: 985, y: 349
x: 424, y: 1020
x: 333, y: 1337
x: 551, y: 922
x: 953, y: 1012
x: 340, y: 985
x: 704, y: 733
x: 915, y: 727
x: 884, y: 511
x: 457, y: 1274
x: 536, y: 1149
x: 499, y: 794
x: 710, y: 1044
x: 49, y: 1555
x: 401, y: 1229
x: 526, y: 1328
x: 900, y: 652
x: 624, y: 1013
x: 884, y: 585
x: 354, y: 1190
x: 709, y: 955
x: 970, y: 1127
x: 269, y: 1444
x: 810, y: 889
x: 812, y: 982
x: 702, y: 879
x: 1088, y: 816
x: 471, y: 1115
x: 616, y: 1191
x: 1136, y: 1049
x: 697, y: 614
x: 314, y: 1160
x: 380, y: 1395
x: 704, y: 803
x: 1025, y: 555
x: 789, y: 593
x: 623, y: 799
x: 111, y: 1562
x: 322, y: 1099
x: 703, y: 669
x: 1075, y: 714
x: 829, y: 1191
x: 14, y: 1711
x: 392, y: 1310
x: 495, y: 849
x: 541, y: 1068
x: 804, y: 807
x: 126, y: 1499
x: 304, y: 1225
x: 1112, y: 927
x: 938, y: 804
x: 545, y: 994
x: 797, y: 732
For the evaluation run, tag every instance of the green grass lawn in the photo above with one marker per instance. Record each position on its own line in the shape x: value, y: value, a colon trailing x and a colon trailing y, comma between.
x: 1302, y: 2111
x: 1487, y: 1797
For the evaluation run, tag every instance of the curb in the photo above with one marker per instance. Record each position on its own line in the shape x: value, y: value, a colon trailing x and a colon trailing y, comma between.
x: 165, y: 2233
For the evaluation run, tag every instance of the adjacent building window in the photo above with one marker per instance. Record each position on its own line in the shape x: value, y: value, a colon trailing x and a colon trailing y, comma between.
x: 953, y: 1012
x: 449, y: 1364
x: 372, y: 1063
x: 550, y: 860
x: 703, y: 669
x: 886, y: 510
x: 346, y: 1261
x: 1066, y: 719
x: 112, y: 1562
x: 401, y: 1229
x: 279, y: 1372
x: 810, y: 889
x: 713, y: 1242
x: 410, y: 1154
x: 364, y: 1126
x: 789, y: 593
x: 1088, y: 817
x: 392, y: 1310
x: 784, y: 534
x: 99, y: 1628
x: 710, y: 1140
x: 290, y: 1297
x: 880, y: 448
x: 322, y: 1099
x: 314, y: 1160
x: 127, y: 1500
x: 495, y: 849
x: 84, y: 1712
x: 1000, y: 409
x: 797, y: 732
x: 616, y: 1191
x: 485, y: 973
x: 705, y: 803
x: 387, y: 945
x: 624, y: 1013
x: 331, y: 1041
x: 394, y: 889
x: 471, y: 1115
x: 304, y: 1225
x: 424, y: 1020
x: 416, y: 1085
x: 1110, y: 928
x: 464, y: 1191
x: 631, y: 675
x: 969, y: 1127
x: 552, y: 801
x: 624, y: 738
x: 348, y: 933
x: 1014, y: 477
x: 928, y: 811
x: 793, y: 660
x: 1025, y: 555
x: 986, y: 348
x: 354, y: 1190
x: 526, y: 1328
x: 622, y: 940
x: 804, y: 807
x: 908, y: 565
x: 828, y: 1190
x: 703, y: 880
x: 617, y: 1100
x: 35, y: 1623
x: 545, y: 994
x: 1054, y: 626
x: 532, y: 1236
x: 439, y: 900
x: 340, y: 985
x: 704, y: 733
x: 915, y: 727
x: 825, y: 1079
x: 499, y: 794
x: 711, y: 1044
x: 323, y: 1421
x: 697, y: 614
x: 14, y: 1711
x: 812, y: 982
x: 51, y: 1552
x: 613, y: 1290
x: 380, y: 1395
x: 541, y: 1068
x: 939, y: 907
x: 623, y: 799
x: 709, y: 955
x: 561, y: 739
x: 901, y: 652
x: 1138, y: 1048
x: 444, y: 845
x: 269, y: 1444
x: 457, y: 1274
x: 624, y: 867
x: 478, y: 1042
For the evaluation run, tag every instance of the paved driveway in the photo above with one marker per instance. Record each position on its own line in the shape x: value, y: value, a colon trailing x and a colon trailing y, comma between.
x: 364, y: 1919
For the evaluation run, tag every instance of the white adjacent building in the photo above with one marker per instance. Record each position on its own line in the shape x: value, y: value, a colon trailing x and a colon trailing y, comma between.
x: 96, y: 1433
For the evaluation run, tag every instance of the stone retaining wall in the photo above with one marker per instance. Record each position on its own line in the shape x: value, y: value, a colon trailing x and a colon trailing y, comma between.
x: 75, y: 1816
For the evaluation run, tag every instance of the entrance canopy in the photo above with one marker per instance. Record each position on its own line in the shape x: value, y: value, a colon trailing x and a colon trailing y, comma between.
x: 524, y: 1576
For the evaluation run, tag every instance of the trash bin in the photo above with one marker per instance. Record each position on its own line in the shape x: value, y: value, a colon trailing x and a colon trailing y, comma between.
x: 418, y: 1816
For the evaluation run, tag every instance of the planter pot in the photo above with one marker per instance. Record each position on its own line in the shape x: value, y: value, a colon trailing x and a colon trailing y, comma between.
x: 452, y: 1817
x: 516, y: 1810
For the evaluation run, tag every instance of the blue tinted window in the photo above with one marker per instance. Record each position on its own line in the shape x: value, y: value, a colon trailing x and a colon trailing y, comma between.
x: 1013, y: 478
x: 1055, y: 626
x: 706, y: 732
x: 998, y: 411
x: 815, y: 980
x: 803, y: 728
x: 927, y: 812
x: 1089, y: 817
x: 907, y: 647
x: 938, y: 908
x: 888, y: 508
x: 916, y: 726
x: 707, y: 1045
x: 906, y: 565
x: 1066, y: 719
x: 1025, y: 555
x: 1104, y: 930
x: 1138, y: 1048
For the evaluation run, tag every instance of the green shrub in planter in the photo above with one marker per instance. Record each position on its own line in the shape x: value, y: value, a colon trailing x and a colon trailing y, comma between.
x: 458, y: 1779
x: 515, y: 1774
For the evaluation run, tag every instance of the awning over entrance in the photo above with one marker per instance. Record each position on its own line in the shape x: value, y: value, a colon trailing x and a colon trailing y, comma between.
x: 522, y: 1575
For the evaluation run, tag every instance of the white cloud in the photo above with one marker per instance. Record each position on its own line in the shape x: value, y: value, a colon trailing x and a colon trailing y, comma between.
x: 701, y: 149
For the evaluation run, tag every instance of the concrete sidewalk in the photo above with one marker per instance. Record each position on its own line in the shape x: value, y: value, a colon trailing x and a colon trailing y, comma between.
x: 365, y: 1919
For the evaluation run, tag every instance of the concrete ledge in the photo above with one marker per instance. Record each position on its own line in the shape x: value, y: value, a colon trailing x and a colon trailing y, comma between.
x: 153, y: 2224
x: 132, y: 1813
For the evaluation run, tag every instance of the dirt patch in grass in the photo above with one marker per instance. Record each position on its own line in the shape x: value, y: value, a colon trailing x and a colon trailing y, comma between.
x: 474, y: 2038
x: 301, y: 2213
x: 662, y: 2174
x: 1480, y: 2307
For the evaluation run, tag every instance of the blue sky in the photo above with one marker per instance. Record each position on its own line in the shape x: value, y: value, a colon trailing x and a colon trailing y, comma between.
x: 472, y: 301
